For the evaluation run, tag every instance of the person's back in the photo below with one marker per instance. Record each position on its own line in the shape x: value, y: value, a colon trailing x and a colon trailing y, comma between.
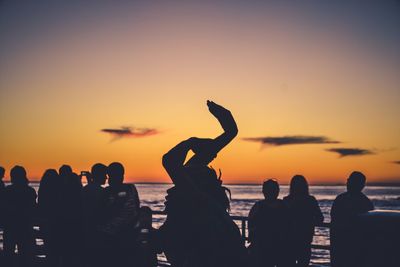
x: 120, y: 216
x: 20, y: 203
x: 305, y: 214
x: 92, y: 212
x: 345, y: 209
x: 70, y: 217
x: 93, y: 195
x: 48, y: 204
x: 268, y: 227
x: 2, y: 189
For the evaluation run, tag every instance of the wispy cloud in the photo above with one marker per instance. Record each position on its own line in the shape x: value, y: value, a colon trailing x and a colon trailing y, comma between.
x: 129, y: 132
x: 345, y: 152
x: 291, y: 140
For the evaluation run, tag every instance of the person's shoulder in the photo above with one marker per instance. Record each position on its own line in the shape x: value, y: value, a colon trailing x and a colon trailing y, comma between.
x: 130, y: 188
x: 258, y: 204
x: 341, y: 196
x: 312, y: 199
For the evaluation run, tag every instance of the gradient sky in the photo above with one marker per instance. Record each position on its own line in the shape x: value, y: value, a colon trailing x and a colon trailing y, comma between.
x: 323, y: 68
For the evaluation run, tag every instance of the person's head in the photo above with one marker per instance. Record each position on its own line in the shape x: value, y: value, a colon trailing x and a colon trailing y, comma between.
x: 18, y: 175
x: 204, y: 150
x: 115, y: 173
x: 356, y: 182
x: 299, y: 186
x: 49, y: 178
x: 2, y: 171
x: 207, y: 180
x: 99, y: 173
x: 270, y: 189
x: 65, y: 170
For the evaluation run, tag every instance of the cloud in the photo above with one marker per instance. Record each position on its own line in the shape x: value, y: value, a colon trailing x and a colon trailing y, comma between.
x: 345, y: 152
x: 291, y: 140
x: 395, y: 162
x: 130, y: 132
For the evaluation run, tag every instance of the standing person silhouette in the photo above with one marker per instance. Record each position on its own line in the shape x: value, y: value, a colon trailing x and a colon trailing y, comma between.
x: 92, y: 210
x: 20, y: 203
x: 2, y: 172
x: 120, y: 216
x: 305, y: 214
x: 268, y: 227
x: 70, y: 217
x: 344, y: 213
x: 2, y: 188
x: 48, y: 204
x: 198, y: 230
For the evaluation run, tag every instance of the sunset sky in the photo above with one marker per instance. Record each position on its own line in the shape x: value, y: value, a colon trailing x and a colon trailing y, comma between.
x: 326, y: 70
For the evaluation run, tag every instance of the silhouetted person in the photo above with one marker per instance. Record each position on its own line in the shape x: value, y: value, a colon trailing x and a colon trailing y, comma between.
x: 20, y: 203
x: 92, y: 204
x: 2, y: 210
x: 345, y: 209
x: 147, y: 241
x: 305, y: 214
x: 2, y: 172
x: 70, y: 217
x: 268, y: 228
x: 198, y: 230
x: 49, y: 205
x: 121, y: 213
x: 2, y: 189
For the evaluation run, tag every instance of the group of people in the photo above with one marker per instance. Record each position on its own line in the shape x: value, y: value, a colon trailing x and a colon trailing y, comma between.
x: 281, y: 230
x: 94, y: 225
x: 89, y: 225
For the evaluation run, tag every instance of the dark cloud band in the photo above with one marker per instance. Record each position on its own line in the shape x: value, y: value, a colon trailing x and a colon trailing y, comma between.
x: 345, y: 152
x: 291, y: 140
x: 130, y: 132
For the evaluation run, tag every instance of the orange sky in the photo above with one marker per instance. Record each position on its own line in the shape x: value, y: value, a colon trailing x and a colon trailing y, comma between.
x: 154, y: 66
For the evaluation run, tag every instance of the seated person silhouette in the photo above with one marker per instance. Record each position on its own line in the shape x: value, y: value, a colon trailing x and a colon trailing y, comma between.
x: 305, y: 214
x: 20, y: 204
x: 120, y: 216
x: 198, y: 230
x: 92, y: 210
x: 268, y: 228
x: 344, y: 213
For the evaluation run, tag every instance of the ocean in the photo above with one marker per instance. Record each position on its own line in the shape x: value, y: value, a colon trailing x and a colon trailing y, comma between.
x: 244, y: 197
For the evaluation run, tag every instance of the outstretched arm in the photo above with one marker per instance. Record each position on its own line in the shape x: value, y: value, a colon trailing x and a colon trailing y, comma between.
x: 227, y: 122
x: 207, y: 149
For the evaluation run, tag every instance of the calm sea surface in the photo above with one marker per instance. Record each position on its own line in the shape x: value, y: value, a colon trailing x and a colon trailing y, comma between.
x: 244, y: 196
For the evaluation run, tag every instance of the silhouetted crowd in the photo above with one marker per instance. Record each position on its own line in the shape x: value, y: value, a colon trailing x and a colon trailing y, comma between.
x: 100, y: 226
x: 93, y: 225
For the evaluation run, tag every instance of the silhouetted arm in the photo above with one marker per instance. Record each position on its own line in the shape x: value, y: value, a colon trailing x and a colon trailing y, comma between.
x: 252, y: 222
x: 174, y: 159
x: 207, y: 150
